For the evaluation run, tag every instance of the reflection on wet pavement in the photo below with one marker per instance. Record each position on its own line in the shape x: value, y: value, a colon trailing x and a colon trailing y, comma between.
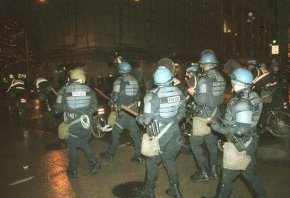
x: 57, y: 180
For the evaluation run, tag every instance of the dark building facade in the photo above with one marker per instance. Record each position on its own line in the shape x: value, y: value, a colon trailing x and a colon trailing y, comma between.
x: 149, y: 29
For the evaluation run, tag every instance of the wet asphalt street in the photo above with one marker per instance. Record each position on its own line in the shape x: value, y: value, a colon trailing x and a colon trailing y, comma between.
x: 34, y: 162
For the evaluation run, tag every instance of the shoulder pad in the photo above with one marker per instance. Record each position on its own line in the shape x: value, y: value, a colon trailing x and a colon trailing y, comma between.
x: 148, y: 97
x: 117, y: 81
x: 242, y: 105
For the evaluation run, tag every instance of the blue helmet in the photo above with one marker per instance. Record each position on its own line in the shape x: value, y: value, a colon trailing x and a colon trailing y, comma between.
x: 162, y: 76
x: 208, y: 57
x: 242, y: 76
x: 192, y: 68
x: 124, y: 68
x: 253, y: 62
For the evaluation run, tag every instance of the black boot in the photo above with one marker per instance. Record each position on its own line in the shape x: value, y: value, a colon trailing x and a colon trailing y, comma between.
x: 145, y: 192
x: 71, y: 173
x: 94, y: 167
x: 213, y: 172
x: 200, y: 175
x: 174, y: 191
x: 107, y: 156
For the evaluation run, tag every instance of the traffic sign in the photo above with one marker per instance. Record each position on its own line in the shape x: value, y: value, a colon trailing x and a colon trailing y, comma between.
x: 275, y: 49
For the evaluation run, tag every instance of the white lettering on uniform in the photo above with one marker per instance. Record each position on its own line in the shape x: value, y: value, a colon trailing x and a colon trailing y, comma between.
x: 78, y: 93
x: 173, y: 99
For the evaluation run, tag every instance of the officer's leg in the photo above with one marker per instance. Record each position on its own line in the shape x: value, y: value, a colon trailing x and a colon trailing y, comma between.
x: 253, y: 180
x: 73, y: 144
x: 85, y: 145
x: 169, y: 159
x: 249, y: 173
x: 116, y: 132
x: 135, y: 134
x: 152, y: 165
x: 226, y: 185
x: 211, y: 142
x: 196, y: 148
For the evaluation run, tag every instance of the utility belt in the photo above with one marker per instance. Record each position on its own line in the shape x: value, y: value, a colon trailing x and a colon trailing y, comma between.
x: 83, y: 122
x: 150, y: 141
x: 206, y: 112
x: 154, y: 128
x: 241, y: 142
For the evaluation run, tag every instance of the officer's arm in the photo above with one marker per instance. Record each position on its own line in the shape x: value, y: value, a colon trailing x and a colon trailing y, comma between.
x: 59, y: 105
x: 181, y: 110
x: 230, y: 129
x: 243, y: 120
x: 200, y: 90
x: 116, y: 90
x: 150, y: 109
x: 94, y: 102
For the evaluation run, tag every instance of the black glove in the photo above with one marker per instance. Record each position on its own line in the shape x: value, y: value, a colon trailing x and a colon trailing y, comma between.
x: 140, y: 120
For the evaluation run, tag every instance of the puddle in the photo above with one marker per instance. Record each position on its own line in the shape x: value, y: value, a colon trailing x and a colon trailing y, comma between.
x: 128, y: 189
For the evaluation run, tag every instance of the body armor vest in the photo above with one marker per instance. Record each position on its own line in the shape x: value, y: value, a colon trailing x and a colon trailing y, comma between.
x: 126, y: 90
x: 245, y: 108
x: 170, y: 100
x: 210, y: 89
x: 78, y: 97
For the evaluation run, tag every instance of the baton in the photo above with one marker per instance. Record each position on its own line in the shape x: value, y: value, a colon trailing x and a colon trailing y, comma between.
x: 102, y: 94
x: 53, y: 90
x: 123, y: 107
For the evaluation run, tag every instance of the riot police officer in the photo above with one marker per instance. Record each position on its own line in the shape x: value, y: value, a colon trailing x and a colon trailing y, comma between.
x: 278, y: 84
x: 192, y: 74
x: 253, y: 67
x: 78, y: 102
x: 16, y: 91
x: 171, y: 66
x: 208, y: 96
x: 164, y: 106
x: 239, y: 126
x: 44, y: 89
x: 125, y: 92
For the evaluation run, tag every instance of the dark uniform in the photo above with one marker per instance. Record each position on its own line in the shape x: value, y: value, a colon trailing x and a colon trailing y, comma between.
x: 16, y: 91
x: 209, y: 95
x: 278, y: 85
x: 253, y: 67
x: 125, y: 92
x: 45, y: 97
x: 239, y: 126
x: 166, y: 106
x: 78, y: 102
x: 192, y: 75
